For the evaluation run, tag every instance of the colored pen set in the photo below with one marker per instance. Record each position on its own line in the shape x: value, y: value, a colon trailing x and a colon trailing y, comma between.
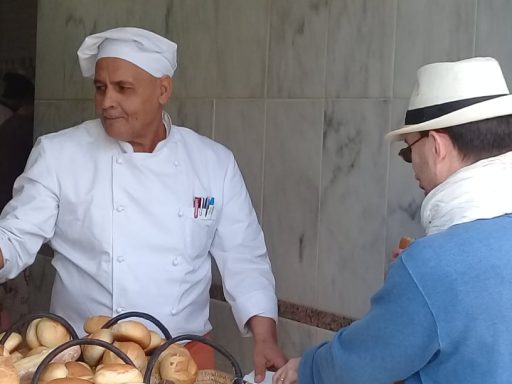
x: 203, y: 206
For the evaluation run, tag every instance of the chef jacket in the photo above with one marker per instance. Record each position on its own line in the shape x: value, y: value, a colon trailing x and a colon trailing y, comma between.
x: 125, y: 231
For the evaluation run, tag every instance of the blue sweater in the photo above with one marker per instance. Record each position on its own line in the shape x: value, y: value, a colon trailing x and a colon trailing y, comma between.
x: 444, y: 315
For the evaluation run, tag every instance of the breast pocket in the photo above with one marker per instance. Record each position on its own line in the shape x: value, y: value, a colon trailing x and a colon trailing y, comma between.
x: 199, y: 233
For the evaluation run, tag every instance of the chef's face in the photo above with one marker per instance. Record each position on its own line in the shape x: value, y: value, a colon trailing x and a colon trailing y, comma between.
x: 129, y: 100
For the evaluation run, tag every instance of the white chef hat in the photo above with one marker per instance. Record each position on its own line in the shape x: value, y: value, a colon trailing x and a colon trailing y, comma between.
x: 149, y: 51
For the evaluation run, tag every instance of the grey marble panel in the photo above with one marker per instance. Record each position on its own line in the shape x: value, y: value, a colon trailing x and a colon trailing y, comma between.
x: 191, y: 24
x: 53, y: 116
x: 353, y: 203
x: 293, y: 147
x: 239, y: 125
x: 360, y: 48
x: 404, y: 195
x: 430, y: 31
x: 241, y: 50
x: 196, y: 114
x: 297, y: 57
x: 494, y: 33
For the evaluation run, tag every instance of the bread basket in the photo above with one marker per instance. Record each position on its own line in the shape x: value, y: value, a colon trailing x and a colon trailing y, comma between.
x: 205, y: 376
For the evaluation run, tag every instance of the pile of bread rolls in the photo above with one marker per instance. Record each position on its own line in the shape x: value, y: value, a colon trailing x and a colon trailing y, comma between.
x: 25, y: 354
x: 20, y: 357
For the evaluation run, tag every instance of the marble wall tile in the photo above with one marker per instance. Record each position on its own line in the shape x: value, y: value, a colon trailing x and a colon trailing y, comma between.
x: 241, y: 49
x: 191, y: 24
x: 404, y: 195
x: 494, y: 33
x: 352, y: 209
x: 293, y: 147
x: 360, y: 48
x: 196, y: 114
x: 430, y: 31
x: 239, y: 125
x: 298, y: 33
x: 53, y: 116
x: 294, y: 337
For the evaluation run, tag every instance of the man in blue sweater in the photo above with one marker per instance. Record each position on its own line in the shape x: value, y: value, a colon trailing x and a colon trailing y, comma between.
x: 444, y: 314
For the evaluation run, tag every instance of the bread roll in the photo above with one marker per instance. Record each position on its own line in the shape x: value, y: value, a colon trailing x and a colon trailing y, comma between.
x: 37, y: 351
x: 53, y: 371
x: 69, y: 380
x: 31, y: 336
x: 117, y: 374
x: 8, y: 373
x: 156, y: 341
x: 131, y: 330
x: 51, y: 333
x: 92, y: 354
x: 132, y: 350
x: 79, y: 369
x: 405, y: 241
x: 13, y: 341
x: 15, y: 356
x: 93, y: 323
x: 178, y: 366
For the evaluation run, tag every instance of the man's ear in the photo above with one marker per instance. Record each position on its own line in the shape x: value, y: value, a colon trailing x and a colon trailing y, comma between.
x: 165, y: 89
x: 442, y: 145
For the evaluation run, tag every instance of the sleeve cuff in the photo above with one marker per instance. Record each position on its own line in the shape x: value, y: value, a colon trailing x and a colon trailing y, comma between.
x: 258, y: 303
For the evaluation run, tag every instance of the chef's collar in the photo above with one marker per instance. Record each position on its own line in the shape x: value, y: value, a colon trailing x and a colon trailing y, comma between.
x: 166, y: 119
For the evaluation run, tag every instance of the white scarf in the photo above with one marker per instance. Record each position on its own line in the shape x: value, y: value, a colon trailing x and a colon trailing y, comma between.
x: 479, y: 191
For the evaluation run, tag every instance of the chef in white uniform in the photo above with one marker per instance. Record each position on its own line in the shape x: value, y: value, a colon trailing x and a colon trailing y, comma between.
x: 133, y: 206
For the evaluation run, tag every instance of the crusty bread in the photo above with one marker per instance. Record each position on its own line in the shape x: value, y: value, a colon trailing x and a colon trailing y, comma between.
x: 51, y: 333
x: 92, y: 354
x: 31, y: 335
x: 131, y: 349
x: 404, y: 242
x: 93, y: 323
x: 79, y: 369
x: 117, y: 374
x: 69, y: 380
x: 177, y: 365
x: 53, y: 371
x: 13, y: 341
x: 8, y: 373
x: 156, y: 341
x: 131, y: 330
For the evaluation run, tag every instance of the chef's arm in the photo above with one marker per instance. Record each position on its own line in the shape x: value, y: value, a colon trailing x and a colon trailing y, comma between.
x: 1, y: 259
x: 267, y: 353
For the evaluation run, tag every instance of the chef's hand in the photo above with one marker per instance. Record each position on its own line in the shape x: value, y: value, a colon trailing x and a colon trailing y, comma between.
x: 288, y: 373
x: 267, y: 354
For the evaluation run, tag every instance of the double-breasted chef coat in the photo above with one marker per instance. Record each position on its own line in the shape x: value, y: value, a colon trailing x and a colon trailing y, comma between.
x: 125, y: 232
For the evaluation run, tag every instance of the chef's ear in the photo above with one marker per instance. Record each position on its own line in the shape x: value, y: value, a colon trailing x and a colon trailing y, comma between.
x: 165, y: 89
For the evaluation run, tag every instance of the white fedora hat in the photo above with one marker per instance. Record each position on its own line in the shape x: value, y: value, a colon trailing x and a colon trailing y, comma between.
x: 454, y: 93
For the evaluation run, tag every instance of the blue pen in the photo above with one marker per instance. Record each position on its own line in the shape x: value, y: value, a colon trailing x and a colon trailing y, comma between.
x: 212, y: 203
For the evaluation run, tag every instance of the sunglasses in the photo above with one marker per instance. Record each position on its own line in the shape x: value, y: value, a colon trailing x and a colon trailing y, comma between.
x: 406, y: 153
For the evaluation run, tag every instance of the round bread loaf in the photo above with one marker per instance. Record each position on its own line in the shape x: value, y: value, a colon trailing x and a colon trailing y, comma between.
x: 131, y: 349
x: 13, y: 341
x: 92, y: 354
x: 53, y: 371
x: 156, y: 341
x: 79, y: 369
x: 93, y: 323
x: 51, y: 333
x: 8, y: 373
x: 131, y: 330
x: 31, y: 336
x: 117, y: 374
x: 178, y: 366
x: 69, y: 380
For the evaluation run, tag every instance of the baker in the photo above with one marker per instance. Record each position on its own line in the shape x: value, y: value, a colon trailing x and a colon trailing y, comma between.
x: 134, y: 206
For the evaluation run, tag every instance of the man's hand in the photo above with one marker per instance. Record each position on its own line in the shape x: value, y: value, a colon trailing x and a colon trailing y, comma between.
x: 1, y: 259
x: 288, y: 373
x: 267, y: 353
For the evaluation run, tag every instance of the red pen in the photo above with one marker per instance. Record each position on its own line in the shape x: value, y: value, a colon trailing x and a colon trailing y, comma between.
x: 197, y: 203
